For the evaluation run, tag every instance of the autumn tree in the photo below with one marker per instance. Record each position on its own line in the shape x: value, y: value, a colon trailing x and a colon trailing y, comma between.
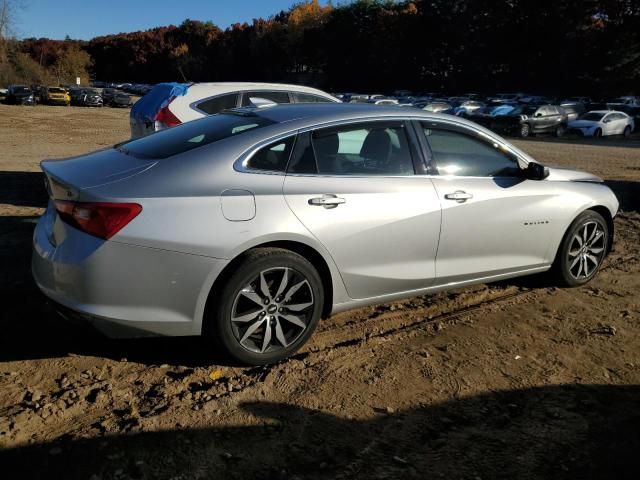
x: 73, y: 63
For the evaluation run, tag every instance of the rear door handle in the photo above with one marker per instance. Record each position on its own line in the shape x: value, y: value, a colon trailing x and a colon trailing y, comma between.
x: 459, y: 196
x: 327, y: 201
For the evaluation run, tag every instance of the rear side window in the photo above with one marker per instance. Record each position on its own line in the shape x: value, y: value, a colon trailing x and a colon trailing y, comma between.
x: 309, y: 98
x: 185, y: 137
x: 275, y: 97
x: 371, y: 149
x: 215, y: 105
x: 272, y: 158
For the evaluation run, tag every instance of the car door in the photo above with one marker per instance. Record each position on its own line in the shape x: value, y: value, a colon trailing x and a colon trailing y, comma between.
x: 618, y: 123
x: 539, y: 120
x: 549, y: 119
x: 609, y: 124
x: 355, y: 189
x: 494, y: 220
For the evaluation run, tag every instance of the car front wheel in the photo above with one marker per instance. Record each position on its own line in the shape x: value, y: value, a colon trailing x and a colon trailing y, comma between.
x: 268, y: 308
x: 582, y: 250
x: 525, y: 130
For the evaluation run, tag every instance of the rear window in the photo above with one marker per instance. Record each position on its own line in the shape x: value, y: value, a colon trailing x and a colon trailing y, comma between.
x: 309, y: 98
x: 180, y: 139
x: 56, y: 90
x: 275, y: 97
x: 215, y: 105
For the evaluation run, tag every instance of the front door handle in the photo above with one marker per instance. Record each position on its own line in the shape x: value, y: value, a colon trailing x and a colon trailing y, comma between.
x: 459, y: 196
x: 327, y: 201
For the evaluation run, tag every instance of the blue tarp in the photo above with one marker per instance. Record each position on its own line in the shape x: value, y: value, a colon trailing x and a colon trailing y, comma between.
x: 145, y: 109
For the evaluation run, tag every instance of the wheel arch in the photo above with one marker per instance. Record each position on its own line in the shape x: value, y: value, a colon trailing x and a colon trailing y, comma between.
x: 309, y: 253
x: 600, y: 209
x: 606, y: 214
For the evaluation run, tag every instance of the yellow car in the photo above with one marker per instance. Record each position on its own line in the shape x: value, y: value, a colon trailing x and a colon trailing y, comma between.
x: 55, y: 96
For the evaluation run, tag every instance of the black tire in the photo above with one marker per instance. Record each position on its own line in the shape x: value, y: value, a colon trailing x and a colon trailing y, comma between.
x: 627, y: 132
x: 597, y: 133
x: 525, y: 130
x: 560, y: 131
x: 270, y: 261
x: 564, y: 274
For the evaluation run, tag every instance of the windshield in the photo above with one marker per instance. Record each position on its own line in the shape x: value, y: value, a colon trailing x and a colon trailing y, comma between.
x: 503, y: 110
x: 592, y: 116
x: 21, y: 89
x: 56, y: 90
x: 195, y: 134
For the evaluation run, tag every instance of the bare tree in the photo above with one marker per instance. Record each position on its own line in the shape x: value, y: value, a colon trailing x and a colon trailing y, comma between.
x: 8, y: 16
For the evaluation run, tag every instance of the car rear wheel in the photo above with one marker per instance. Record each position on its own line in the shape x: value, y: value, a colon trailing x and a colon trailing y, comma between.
x: 627, y: 131
x: 582, y: 250
x: 268, y: 308
x: 525, y: 130
x: 560, y: 131
x: 597, y: 133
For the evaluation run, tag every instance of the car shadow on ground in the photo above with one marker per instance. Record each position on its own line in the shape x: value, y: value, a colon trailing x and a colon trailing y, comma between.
x: 628, y: 194
x: 556, y: 432
x: 23, y: 189
x: 32, y: 329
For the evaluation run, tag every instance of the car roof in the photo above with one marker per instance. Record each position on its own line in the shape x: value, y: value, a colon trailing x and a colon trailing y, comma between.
x: 222, y: 87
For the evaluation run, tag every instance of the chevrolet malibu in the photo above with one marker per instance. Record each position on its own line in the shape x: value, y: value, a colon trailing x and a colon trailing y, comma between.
x: 250, y: 226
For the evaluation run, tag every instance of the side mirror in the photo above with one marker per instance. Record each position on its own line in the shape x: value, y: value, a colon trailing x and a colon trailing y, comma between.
x: 536, y: 171
x: 538, y: 114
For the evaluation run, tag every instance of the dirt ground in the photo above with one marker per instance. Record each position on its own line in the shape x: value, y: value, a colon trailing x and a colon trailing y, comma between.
x: 516, y: 380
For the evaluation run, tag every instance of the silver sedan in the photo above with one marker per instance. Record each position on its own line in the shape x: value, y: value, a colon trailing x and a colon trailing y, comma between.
x: 250, y: 226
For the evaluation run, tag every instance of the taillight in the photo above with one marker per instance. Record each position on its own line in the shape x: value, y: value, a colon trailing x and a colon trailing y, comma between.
x: 100, y: 219
x: 165, y: 117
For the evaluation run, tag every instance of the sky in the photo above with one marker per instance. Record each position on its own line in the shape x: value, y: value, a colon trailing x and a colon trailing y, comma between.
x: 85, y: 19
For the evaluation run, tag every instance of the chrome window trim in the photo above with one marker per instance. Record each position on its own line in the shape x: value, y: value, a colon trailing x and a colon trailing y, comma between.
x: 240, y: 165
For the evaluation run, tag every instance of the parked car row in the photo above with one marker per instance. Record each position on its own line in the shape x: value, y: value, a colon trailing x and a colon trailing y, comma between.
x: 62, y: 95
x: 522, y: 114
x: 131, y: 88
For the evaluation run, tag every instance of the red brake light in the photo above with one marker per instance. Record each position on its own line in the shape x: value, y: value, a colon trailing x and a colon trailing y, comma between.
x: 100, y: 219
x: 166, y: 117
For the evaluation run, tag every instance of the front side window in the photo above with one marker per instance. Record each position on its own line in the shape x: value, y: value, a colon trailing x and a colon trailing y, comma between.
x: 463, y: 155
x: 272, y: 158
x: 215, y: 105
x: 369, y: 149
x: 275, y: 97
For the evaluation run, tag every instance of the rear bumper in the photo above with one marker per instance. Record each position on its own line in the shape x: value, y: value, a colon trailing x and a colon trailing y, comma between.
x: 123, y: 290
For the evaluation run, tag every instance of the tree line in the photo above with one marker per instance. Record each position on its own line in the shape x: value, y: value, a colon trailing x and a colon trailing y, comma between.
x: 547, y: 46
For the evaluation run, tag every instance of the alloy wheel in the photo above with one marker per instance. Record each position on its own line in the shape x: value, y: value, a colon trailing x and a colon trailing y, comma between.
x: 272, y: 310
x: 586, y: 250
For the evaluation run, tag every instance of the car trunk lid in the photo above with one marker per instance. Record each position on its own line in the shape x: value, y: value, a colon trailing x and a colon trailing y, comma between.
x: 66, y: 179
x: 92, y: 170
